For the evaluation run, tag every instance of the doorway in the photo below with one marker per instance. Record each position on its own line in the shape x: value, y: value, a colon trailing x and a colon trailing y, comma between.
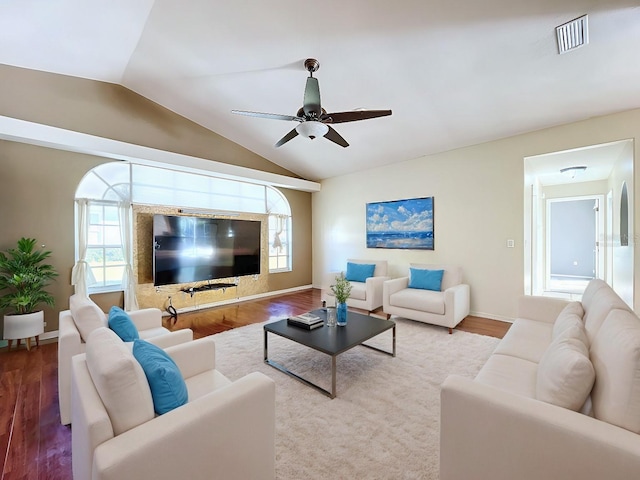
x: 600, y: 175
x: 574, y: 227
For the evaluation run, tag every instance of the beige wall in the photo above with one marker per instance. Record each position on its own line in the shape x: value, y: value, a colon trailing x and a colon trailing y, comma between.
x: 37, y: 200
x: 39, y: 184
x: 478, y: 205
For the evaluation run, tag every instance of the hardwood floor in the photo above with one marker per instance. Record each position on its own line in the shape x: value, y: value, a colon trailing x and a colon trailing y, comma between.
x: 33, y: 444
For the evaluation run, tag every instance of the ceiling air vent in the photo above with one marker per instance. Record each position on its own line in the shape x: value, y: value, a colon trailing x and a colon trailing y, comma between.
x: 573, y: 34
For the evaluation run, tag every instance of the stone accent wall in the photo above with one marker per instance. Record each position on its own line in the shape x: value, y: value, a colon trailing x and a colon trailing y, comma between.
x: 152, y: 296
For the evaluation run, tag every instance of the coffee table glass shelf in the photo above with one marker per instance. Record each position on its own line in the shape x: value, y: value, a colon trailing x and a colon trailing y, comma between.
x: 330, y: 340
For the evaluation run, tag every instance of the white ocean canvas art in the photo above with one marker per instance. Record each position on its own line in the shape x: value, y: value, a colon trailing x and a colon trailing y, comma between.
x: 406, y: 224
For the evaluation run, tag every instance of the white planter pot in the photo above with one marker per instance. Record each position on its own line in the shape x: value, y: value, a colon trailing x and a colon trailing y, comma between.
x: 23, y: 326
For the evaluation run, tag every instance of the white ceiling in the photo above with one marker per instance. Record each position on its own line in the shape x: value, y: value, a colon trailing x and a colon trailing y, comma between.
x: 454, y: 73
x: 599, y: 161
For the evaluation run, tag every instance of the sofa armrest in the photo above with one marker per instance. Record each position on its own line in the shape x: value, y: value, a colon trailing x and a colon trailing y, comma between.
x: 146, y: 318
x: 486, y: 433
x: 229, y: 433
x: 539, y: 308
x: 390, y: 287
x: 69, y: 344
x: 194, y: 357
x: 374, y: 287
x: 456, y: 302
x: 172, y: 338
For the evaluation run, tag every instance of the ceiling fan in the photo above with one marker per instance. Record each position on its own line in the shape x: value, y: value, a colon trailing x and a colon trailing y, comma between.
x: 313, y: 119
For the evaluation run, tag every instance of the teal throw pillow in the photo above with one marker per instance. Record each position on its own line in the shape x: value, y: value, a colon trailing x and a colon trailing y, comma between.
x: 168, y: 388
x: 426, y: 279
x: 359, y: 272
x: 121, y: 323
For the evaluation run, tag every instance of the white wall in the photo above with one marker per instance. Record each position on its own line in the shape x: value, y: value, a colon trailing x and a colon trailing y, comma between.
x: 623, y: 256
x: 478, y: 204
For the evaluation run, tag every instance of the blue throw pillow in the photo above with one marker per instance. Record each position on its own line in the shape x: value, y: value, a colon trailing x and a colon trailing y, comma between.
x: 426, y: 279
x: 168, y: 388
x: 359, y: 272
x: 121, y: 323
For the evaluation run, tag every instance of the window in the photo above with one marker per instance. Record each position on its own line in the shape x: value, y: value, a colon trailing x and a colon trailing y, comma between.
x: 104, y: 247
x: 279, y: 243
x: 113, y: 182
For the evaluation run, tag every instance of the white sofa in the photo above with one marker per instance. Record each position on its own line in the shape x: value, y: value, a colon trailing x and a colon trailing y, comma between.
x: 521, y: 416
x: 81, y: 319
x: 365, y: 295
x: 446, y: 308
x: 226, y: 430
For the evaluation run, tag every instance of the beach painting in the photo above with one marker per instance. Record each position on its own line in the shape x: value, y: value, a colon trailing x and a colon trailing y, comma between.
x: 406, y: 224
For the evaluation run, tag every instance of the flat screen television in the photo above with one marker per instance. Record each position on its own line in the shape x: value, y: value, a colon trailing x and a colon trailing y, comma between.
x: 192, y: 249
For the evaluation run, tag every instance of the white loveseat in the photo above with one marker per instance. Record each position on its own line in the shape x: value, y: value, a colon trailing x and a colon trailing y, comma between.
x: 446, y: 308
x: 81, y: 319
x: 515, y: 419
x: 365, y: 295
x: 226, y: 430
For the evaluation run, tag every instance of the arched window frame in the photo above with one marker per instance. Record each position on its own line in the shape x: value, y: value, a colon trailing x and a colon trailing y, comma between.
x: 112, y: 183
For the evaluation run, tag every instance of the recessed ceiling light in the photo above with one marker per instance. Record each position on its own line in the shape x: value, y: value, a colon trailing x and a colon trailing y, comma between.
x: 573, y: 34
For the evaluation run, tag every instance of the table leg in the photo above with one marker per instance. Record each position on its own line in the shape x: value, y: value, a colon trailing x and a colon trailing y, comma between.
x: 266, y: 354
x: 333, y: 376
x: 394, y: 340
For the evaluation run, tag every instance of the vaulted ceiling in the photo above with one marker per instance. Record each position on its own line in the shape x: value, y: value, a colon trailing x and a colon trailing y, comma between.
x: 454, y: 73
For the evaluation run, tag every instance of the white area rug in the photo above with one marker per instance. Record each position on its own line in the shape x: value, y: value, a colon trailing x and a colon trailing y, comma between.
x: 384, y: 422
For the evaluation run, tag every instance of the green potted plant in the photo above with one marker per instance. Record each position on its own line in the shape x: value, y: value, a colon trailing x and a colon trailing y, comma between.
x: 341, y: 290
x: 24, y: 275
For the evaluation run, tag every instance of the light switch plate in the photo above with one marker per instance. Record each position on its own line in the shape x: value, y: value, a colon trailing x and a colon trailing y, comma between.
x: 511, y: 243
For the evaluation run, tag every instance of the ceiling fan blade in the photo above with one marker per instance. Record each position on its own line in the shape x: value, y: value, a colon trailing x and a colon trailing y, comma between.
x: 311, y: 105
x: 335, y: 137
x: 292, y: 134
x: 272, y: 116
x: 342, y: 117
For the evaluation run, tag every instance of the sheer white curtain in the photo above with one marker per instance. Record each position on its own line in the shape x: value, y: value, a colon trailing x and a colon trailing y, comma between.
x: 128, y: 279
x: 81, y: 275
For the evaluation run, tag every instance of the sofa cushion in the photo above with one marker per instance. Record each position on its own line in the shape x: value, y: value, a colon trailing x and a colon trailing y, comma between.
x: 425, y: 279
x: 86, y: 315
x: 168, y: 388
x: 416, y: 299
x: 565, y: 373
x: 119, y: 380
x: 359, y: 272
x: 570, y: 315
x: 572, y: 308
x: 358, y: 291
x: 603, y: 300
x: 526, y: 339
x: 615, y: 353
x: 510, y: 374
x: 121, y: 323
x: 570, y: 326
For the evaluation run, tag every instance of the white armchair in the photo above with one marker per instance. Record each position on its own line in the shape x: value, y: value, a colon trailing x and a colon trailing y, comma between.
x: 445, y: 308
x: 84, y: 316
x: 226, y: 430
x: 365, y: 295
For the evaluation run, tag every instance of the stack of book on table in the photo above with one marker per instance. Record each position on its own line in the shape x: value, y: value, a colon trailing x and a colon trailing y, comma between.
x: 306, y: 320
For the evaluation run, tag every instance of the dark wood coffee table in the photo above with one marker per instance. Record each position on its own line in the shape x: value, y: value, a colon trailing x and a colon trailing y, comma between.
x: 330, y: 340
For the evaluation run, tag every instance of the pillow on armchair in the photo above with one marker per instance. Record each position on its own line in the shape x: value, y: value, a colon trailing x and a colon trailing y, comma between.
x: 121, y: 323
x: 426, y: 279
x: 359, y: 272
x: 86, y: 315
x: 119, y: 380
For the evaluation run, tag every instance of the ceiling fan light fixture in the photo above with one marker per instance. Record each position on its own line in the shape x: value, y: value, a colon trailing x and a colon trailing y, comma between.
x: 312, y: 129
x: 573, y: 172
